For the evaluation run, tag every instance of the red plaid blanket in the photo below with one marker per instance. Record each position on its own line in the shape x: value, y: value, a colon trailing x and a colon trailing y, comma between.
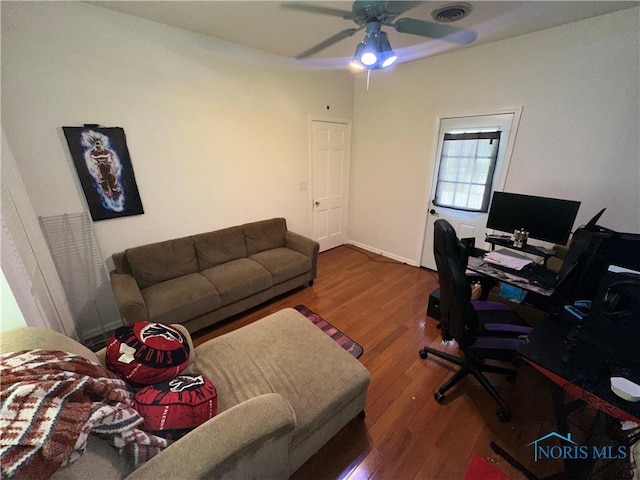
x: 51, y: 401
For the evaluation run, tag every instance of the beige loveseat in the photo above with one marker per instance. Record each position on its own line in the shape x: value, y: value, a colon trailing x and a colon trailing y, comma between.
x: 284, y: 389
x: 202, y: 279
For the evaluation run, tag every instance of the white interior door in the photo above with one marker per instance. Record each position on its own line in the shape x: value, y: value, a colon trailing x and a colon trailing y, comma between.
x: 330, y: 158
x: 468, y: 224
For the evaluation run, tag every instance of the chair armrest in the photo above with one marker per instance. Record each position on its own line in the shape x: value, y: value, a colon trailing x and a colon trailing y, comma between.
x: 508, y: 328
x: 248, y: 441
x: 304, y: 245
x: 128, y: 297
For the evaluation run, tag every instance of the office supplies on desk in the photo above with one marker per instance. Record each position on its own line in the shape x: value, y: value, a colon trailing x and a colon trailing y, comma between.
x: 530, y: 272
x: 515, y: 277
x: 507, y: 260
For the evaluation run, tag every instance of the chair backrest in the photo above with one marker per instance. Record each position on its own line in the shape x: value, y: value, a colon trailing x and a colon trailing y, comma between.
x: 457, y: 315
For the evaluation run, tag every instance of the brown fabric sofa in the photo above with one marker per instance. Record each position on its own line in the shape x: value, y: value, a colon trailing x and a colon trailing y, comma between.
x: 284, y: 389
x: 202, y: 279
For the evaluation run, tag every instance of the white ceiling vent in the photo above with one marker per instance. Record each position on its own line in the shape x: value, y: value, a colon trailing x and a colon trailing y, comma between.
x: 452, y: 12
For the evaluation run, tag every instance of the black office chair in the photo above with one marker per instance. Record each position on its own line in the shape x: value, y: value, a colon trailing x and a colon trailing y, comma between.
x: 483, y: 330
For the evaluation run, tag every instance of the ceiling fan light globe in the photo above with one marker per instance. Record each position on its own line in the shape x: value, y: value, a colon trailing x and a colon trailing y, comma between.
x: 389, y: 60
x: 369, y: 58
x: 356, y: 65
x: 387, y: 55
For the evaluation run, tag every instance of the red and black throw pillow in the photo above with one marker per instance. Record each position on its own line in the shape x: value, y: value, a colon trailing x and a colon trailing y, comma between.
x: 145, y: 353
x: 173, y: 408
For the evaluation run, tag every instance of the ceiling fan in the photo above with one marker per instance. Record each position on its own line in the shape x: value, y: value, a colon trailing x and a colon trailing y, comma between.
x: 375, y: 51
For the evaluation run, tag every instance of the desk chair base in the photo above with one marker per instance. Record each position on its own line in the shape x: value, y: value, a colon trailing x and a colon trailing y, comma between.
x: 475, y: 367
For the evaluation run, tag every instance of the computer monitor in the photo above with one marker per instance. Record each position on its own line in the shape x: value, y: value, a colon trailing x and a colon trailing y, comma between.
x: 546, y: 219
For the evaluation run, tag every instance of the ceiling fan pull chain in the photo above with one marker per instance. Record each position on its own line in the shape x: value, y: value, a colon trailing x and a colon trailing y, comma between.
x: 368, y: 75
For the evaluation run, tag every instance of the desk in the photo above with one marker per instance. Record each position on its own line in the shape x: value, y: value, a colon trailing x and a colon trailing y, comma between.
x: 478, y: 265
x: 493, y: 240
x: 546, y: 351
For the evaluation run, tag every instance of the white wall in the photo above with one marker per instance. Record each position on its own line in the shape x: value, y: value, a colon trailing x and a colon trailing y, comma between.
x: 579, y: 86
x: 218, y: 134
x: 10, y: 314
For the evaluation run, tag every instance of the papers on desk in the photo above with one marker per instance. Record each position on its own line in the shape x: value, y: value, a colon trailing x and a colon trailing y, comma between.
x: 509, y: 261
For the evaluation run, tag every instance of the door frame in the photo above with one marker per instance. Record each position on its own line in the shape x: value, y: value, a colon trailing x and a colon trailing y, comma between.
x: 498, y: 184
x: 328, y: 119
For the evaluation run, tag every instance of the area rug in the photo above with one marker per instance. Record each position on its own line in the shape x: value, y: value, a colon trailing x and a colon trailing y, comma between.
x: 479, y: 469
x: 345, y: 342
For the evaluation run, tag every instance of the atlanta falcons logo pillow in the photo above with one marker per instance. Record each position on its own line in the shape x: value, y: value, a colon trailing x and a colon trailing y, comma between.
x: 145, y: 353
x: 173, y: 408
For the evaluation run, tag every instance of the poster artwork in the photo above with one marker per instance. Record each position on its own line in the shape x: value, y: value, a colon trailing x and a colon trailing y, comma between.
x: 101, y: 158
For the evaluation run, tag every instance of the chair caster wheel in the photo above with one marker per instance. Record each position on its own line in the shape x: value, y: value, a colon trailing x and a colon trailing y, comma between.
x: 439, y: 397
x: 423, y: 354
x: 504, y: 415
x: 511, y: 377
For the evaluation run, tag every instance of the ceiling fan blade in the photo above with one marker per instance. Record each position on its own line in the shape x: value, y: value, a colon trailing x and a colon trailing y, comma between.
x: 435, y: 30
x: 398, y: 7
x: 328, y: 42
x: 309, y: 7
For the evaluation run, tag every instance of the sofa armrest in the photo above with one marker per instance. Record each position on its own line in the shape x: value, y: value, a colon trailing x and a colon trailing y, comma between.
x: 304, y: 245
x: 248, y: 441
x: 128, y: 297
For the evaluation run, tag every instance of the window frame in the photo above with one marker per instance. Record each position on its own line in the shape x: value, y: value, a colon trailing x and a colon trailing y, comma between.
x: 471, y: 134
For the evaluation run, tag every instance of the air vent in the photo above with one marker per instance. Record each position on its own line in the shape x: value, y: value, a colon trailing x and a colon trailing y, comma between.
x: 451, y: 12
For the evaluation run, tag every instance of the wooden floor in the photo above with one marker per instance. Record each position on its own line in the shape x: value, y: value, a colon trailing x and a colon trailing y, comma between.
x: 406, y: 434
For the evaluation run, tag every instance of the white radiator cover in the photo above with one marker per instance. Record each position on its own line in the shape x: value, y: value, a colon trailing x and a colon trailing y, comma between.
x: 76, y: 253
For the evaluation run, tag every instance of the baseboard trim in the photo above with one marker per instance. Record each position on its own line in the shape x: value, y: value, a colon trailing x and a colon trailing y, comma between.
x: 383, y: 253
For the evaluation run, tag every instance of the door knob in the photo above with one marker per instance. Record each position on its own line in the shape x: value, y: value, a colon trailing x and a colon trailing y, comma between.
x: 317, y: 203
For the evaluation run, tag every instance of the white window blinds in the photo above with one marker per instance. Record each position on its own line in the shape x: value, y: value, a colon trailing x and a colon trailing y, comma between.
x: 467, y: 165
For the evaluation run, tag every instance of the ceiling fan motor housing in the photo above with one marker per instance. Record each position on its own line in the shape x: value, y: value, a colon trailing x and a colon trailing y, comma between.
x: 366, y: 11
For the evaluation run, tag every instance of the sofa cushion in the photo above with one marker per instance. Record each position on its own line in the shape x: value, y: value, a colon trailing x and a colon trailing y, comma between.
x: 214, y: 248
x: 272, y: 356
x: 264, y: 235
x: 238, y: 279
x: 283, y: 263
x: 157, y: 262
x: 181, y: 299
x: 99, y: 460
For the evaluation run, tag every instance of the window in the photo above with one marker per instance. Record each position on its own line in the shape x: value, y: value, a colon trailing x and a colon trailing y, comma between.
x: 467, y: 165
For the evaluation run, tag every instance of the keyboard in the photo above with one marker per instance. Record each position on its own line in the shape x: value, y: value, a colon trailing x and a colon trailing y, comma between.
x: 534, y: 273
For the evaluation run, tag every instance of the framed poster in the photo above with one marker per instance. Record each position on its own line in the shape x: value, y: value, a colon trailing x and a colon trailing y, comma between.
x: 102, y: 161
